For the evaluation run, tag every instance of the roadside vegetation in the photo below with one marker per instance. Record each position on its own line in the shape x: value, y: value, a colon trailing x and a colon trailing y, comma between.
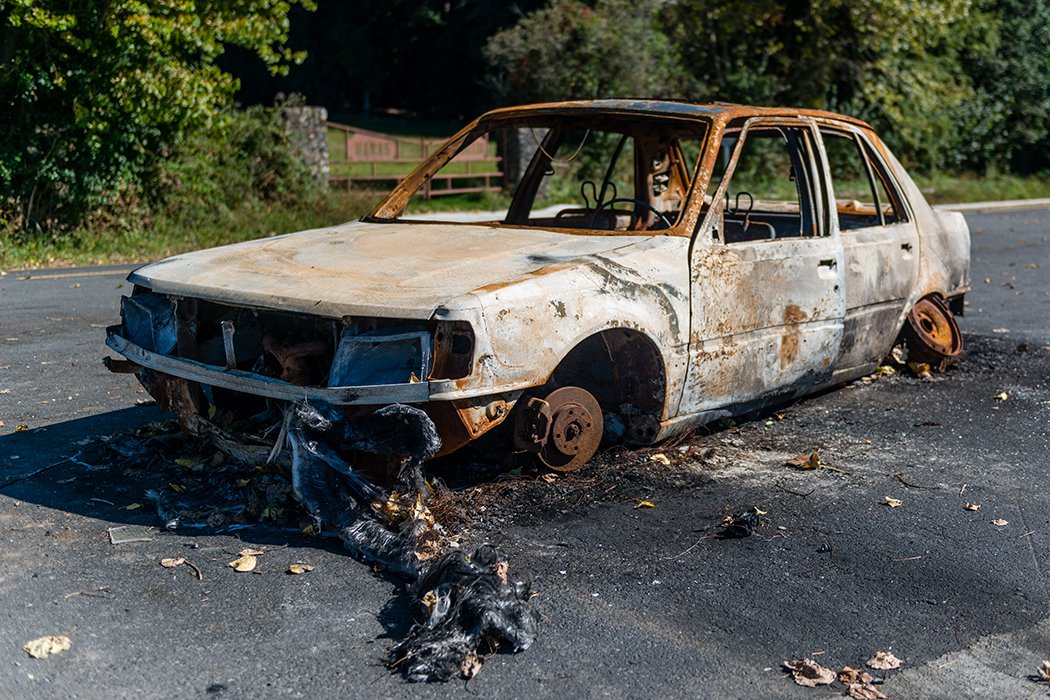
x: 122, y: 140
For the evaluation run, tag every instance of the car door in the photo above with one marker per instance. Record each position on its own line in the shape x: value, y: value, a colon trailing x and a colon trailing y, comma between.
x: 880, y: 244
x: 766, y: 273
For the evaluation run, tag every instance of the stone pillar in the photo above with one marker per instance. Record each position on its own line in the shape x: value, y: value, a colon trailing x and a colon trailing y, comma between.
x: 519, y: 146
x: 308, y: 132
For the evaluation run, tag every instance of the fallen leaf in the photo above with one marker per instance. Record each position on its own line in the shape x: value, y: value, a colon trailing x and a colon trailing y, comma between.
x: 812, y: 461
x: 849, y: 675
x: 643, y: 504
x: 661, y: 458
x: 1044, y: 671
x: 884, y: 661
x: 809, y: 673
x: 244, y: 563
x: 21, y: 428
x: 1002, y: 396
x: 133, y: 506
x: 866, y: 691
x: 470, y: 665
x: 999, y: 522
x: 885, y: 371
x: 177, y: 488
x: 172, y: 562
x: 549, y: 478
x: 298, y: 568
x: 250, y: 552
x: 920, y: 370
x: 44, y: 647
x: 972, y: 506
x: 893, y: 502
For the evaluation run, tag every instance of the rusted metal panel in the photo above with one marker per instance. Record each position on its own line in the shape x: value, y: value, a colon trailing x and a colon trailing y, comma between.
x: 400, y: 270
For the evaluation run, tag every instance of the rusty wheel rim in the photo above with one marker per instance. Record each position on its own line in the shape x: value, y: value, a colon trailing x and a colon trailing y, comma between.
x: 935, y: 329
x: 575, y: 429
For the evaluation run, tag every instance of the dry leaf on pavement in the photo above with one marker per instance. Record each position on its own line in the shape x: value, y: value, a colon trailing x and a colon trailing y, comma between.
x: 44, y: 647
x: 1044, y: 671
x: 470, y: 665
x: 849, y: 675
x: 865, y: 691
x: 643, y: 504
x: 884, y: 661
x: 920, y: 370
x: 172, y: 562
x: 999, y: 522
x: 246, y: 562
x: 298, y: 568
x: 250, y: 552
x: 893, y: 502
x: 661, y: 458
x: 972, y: 506
x: 809, y: 673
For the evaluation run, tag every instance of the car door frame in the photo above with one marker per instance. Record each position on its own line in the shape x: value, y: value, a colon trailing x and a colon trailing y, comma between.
x: 757, y: 350
x: 881, y: 267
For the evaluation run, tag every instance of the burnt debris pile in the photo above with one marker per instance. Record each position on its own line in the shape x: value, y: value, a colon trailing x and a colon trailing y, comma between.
x: 471, y: 605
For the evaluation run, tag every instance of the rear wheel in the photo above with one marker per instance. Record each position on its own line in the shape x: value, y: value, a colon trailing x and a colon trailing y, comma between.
x: 931, y: 333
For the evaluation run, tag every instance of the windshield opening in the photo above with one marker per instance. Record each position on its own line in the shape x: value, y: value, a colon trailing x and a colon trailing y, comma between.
x: 584, y: 173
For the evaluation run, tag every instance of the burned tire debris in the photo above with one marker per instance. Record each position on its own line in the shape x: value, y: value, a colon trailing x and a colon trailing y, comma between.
x: 470, y: 601
x: 319, y: 473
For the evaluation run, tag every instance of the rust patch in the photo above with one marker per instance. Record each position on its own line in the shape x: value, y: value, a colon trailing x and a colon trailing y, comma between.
x: 789, y: 342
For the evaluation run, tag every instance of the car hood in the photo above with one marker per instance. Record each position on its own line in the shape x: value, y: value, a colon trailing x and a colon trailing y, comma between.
x: 403, y: 270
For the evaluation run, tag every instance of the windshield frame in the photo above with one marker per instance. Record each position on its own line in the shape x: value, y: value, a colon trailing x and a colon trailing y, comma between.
x: 391, y: 209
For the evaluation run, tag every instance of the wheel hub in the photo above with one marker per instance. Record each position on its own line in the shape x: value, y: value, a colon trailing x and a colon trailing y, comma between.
x: 563, y: 430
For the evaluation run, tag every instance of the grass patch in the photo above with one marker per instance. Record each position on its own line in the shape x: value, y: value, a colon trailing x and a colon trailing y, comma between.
x: 170, y: 234
x: 945, y: 188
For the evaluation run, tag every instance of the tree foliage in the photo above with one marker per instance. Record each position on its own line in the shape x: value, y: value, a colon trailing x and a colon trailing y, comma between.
x: 572, y: 50
x: 950, y: 83
x: 94, y: 92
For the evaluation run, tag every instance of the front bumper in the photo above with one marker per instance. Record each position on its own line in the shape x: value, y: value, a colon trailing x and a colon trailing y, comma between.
x: 259, y: 385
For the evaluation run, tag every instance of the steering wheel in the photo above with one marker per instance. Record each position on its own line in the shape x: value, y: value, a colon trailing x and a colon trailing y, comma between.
x: 637, y: 202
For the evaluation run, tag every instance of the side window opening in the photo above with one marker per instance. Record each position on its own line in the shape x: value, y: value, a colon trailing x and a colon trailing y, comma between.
x: 863, y: 195
x: 773, y: 191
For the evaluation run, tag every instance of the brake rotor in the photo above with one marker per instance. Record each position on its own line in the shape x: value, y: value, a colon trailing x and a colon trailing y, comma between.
x: 575, y: 429
x: 931, y: 334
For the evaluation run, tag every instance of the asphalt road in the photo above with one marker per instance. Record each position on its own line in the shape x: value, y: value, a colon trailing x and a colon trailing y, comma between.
x: 636, y: 602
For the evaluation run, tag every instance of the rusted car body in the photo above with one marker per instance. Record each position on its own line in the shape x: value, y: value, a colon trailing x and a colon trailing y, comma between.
x: 658, y: 295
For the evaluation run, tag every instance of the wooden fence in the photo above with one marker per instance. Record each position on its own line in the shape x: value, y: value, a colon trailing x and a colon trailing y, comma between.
x: 369, y: 160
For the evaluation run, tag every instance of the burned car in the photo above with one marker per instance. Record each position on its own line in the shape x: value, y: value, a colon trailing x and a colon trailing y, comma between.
x: 659, y: 265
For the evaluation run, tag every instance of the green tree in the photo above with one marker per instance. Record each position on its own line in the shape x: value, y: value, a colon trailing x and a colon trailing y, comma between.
x: 1007, y: 123
x: 571, y: 50
x: 95, y: 92
x: 895, y: 63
